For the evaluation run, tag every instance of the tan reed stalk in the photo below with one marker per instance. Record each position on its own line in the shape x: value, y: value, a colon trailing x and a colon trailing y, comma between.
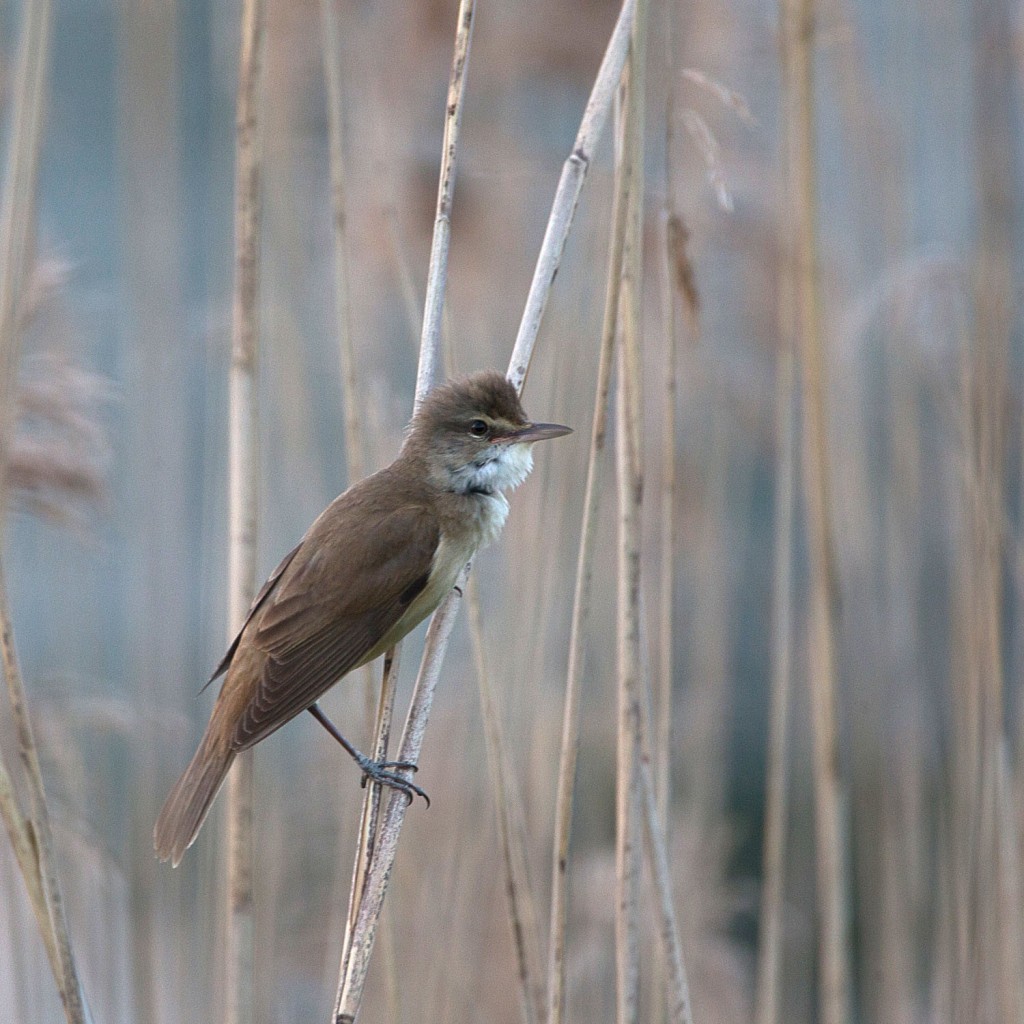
x: 627, y: 849
x: 560, y: 220
x: 437, y: 274
x: 833, y: 890
x: 627, y: 822
x: 363, y: 915
x: 996, y: 926
x: 39, y: 831
x: 244, y: 493
x: 350, y: 989
x: 676, y: 276
x: 671, y: 224
x: 677, y: 986
x: 581, y: 605
x: 19, y: 831
x: 567, y: 194
x: 773, y: 867
x: 964, y: 828
x: 17, y: 226
x: 37, y: 860
x: 522, y: 904
x: 629, y: 474
x: 354, y: 448
x: 370, y: 814
x: 769, y: 946
x: 679, y: 1009
x: 354, y: 443
x: 1010, y: 888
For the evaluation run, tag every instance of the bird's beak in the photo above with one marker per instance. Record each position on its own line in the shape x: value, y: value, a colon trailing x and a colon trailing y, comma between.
x: 535, y: 432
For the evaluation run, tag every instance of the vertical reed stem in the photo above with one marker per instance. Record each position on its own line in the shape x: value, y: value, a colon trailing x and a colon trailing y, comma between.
x: 379, y: 843
x: 769, y: 947
x: 522, y: 906
x: 581, y: 603
x: 354, y: 452
x: 833, y: 890
x: 243, y: 493
x: 353, y: 978
x: 370, y: 814
x: 629, y: 468
x: 437, y: 273
x: 39, y: 828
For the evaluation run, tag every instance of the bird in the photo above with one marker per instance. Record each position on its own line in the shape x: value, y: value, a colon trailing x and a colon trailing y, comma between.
x: 376, y: 562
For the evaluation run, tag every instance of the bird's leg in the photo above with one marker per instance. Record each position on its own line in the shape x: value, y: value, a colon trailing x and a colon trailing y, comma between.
x: 375, y: 770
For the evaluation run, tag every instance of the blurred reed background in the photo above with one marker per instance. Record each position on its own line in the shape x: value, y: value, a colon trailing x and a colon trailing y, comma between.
x: 116, y: 539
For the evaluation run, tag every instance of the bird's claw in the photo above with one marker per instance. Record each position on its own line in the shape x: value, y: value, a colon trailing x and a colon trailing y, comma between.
x: 376, y: 771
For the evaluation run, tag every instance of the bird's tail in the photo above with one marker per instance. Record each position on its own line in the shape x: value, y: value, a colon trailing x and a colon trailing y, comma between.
x: 189, y: 802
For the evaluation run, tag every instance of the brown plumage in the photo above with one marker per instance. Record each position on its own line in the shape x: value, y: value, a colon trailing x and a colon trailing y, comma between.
x: 377, y: 561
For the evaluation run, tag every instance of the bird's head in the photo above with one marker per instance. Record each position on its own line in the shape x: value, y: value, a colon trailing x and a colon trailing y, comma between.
x: 474, y: 436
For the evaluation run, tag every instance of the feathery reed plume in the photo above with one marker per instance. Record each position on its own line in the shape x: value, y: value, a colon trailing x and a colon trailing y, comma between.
x: 60, y: 455
x: 31, y: 835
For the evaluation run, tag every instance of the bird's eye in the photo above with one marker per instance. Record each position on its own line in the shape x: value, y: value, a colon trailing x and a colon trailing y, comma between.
x: 478, y: 428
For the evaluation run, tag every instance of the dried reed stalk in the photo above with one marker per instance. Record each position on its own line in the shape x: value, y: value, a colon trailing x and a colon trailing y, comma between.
x: 992, y: 959
x: 833, y: 889
x: 567, y: 194
x: 560, y: 220
x: 376, y: 842
x: 42, y: 879
x: 351, y: 985
x: 19, y: 831
x: 354, y: 450
x: 671, y: 272
x: 17, y: 226
x: 437, y: 273
x: 581, y: 605
x: 31, y: 836
x: 370, y: 813
x: 773, y: 870
x: 769, y: 946
x: 522, y: 904
x: 677, y: 986
x: 377, y: 709
x: 629, y: 474
x: 243, y: 493
x: 627, y: 822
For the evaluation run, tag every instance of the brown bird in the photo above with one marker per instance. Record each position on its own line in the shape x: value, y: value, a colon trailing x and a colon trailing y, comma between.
x: 377, y: 561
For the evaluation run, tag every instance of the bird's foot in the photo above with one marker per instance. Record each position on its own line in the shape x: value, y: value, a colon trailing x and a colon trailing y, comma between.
x: 377, y: 771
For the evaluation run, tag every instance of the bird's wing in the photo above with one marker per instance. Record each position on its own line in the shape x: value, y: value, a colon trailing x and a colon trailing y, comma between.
x: 352, y: 580
x: 272, y: 581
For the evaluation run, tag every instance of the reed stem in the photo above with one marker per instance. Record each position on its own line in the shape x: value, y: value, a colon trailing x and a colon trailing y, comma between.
x: 243, y: 494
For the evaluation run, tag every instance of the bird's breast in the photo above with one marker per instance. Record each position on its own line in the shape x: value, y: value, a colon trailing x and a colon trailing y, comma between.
x: 490, y: 512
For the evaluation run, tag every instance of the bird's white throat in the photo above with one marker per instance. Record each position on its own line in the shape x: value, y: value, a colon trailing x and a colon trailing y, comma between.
x: 495, y: 470
x: 500, y: 468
